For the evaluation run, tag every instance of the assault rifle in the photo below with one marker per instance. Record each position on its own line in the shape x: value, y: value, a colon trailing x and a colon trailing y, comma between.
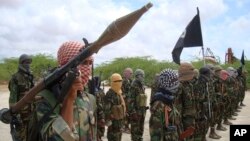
x: 115, y: 31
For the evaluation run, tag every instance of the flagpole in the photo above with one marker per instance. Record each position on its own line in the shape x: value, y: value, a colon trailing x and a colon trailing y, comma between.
x: 203, y: 54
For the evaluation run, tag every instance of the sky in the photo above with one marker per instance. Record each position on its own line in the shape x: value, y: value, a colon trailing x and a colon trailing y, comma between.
x: 41, y: 26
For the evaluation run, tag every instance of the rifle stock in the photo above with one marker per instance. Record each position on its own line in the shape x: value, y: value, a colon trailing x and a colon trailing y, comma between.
x: 115, y: 31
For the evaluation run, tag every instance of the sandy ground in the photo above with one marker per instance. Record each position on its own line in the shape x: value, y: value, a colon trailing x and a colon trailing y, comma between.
x: 242, y: 118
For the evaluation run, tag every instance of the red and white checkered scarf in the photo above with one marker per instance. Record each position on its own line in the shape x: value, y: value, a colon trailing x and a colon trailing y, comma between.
x: 69, y: 50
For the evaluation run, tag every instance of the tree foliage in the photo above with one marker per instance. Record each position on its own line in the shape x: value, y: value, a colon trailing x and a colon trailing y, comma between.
x: 42, y: 62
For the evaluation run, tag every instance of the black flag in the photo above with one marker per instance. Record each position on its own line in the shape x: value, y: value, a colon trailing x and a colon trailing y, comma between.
x: 242, y: 60
x: 189, y: 38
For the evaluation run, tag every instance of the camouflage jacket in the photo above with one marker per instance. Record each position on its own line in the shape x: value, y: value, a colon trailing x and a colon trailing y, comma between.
x: 186, y: 93
x: 55, y: 128
x: 126, y: 84
x: 18, y: 85
x: 136, y: 89
x: 111, y: 99
x: 157, y: 122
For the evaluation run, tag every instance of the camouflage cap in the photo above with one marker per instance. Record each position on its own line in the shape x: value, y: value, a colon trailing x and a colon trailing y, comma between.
x: 186, y: 71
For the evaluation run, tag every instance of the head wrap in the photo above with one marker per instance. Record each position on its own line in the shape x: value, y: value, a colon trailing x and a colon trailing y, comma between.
x: 217, y: 70
x: 224, y: 74
x: 139, y: 75
x: 205, y: 71
x: 127, y: 73
x: 168, y: 80
x: 186, y: 72
x: 116, y: 83
x: 24, y: 63
x: 70, y: 49
x: 232, y: 72
x: 196, y: 73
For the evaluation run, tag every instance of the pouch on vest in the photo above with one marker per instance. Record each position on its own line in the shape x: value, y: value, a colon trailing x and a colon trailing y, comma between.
x: 141, y: 100
x: 117, y: 112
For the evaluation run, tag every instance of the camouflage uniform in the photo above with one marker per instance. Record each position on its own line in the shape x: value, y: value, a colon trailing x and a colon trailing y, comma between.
x: 55, y: 128
x: 137, y: 106
x: 226, y: 100
x: 219, y: 96
x: 213, y: 119
x: 114, y: 109
x: 154, y: 86
x: 202, y: 104
x: 244, y: 75
x: 95, y: 86
x: 232, y: 91
x: 126, y: 84
x: 21, y: 82
x: 165, y: 119
x: 188, y: 111
x: 100, y: 113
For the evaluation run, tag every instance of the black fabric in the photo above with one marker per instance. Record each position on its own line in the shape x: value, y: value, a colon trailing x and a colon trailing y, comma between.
x: 163, y: 95
x: 189, y: 38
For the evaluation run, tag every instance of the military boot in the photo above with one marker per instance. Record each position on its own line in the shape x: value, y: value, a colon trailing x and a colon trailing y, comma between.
x: 232, y: 118
x: 221, y: 128
x: 212, y: 134
x: 237, y: 110
x: 241, y: 104
x: 226, y: 122
x: 235, y: 114
x: 238, y: 107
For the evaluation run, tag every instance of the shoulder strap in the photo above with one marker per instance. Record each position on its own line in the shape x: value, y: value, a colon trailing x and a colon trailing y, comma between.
x: 51, y: 99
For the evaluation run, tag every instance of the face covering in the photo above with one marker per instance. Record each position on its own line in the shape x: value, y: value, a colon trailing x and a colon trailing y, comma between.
x: 25, y: 67
x: 85, y: 73
x: 116, y: 83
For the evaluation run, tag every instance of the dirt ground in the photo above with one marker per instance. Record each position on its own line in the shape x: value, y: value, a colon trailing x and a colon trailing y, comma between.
x: 242, y: 118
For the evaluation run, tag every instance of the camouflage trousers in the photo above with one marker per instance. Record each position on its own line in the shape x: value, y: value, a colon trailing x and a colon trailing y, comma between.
x: 226, y: 101
x: 220, y: 110
x: 137, y: 127
x: 187, y: 122
x: 114, y: 131
x: 20, y: 132
x: 201, y: 129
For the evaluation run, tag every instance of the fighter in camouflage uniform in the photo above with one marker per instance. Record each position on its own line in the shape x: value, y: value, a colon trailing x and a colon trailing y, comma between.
x: 188, y: 111
x: 242, y: 85
x: 165, y: 119
x: 219, y: 95
x: 154, y: 86
x: 214, y: 104
x: 126, y: 84
x: 137, y: 106
x: 232, y: 91
x: 244, y: 75
x: 99, y: 94
x: 226, y: 99
x: 20, y: 83
x: 114, y: 108
x: 202, y: 104
x: 73, y: 118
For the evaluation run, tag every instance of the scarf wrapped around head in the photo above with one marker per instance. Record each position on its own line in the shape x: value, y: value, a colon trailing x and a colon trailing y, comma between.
x: 116, y: 85
x: 70, y: 49
x: 168, y: 80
